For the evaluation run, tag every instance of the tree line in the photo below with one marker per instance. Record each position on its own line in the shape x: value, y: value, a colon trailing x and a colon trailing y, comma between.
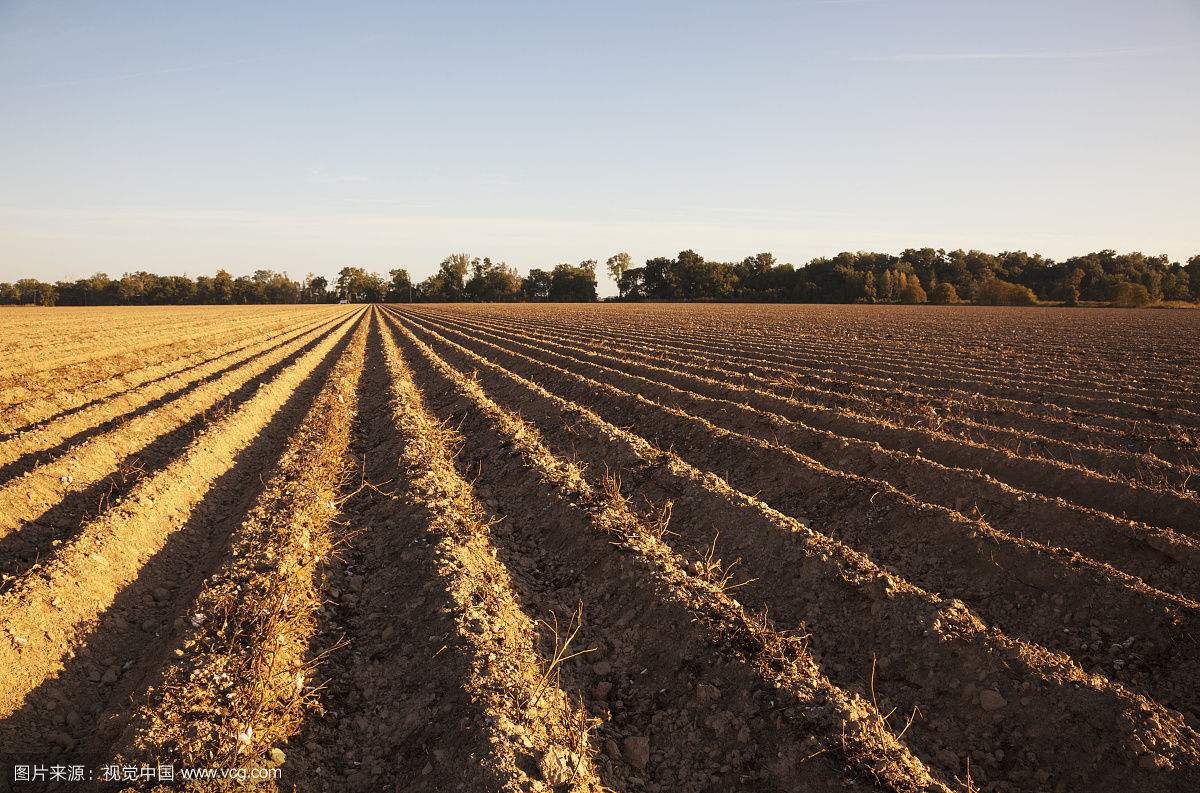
x: 917, y: 275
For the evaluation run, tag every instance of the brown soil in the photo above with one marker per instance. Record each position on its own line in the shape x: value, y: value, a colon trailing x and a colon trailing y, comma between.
x: 589, y: 548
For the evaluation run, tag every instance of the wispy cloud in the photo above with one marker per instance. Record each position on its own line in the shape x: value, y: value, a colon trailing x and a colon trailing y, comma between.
x: 1033, y: 55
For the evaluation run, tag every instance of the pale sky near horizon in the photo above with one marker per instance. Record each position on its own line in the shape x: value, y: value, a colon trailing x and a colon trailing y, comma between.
x: 184, y: 137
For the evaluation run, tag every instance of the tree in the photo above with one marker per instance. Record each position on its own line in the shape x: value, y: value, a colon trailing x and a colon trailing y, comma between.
x: 95, y: 290
x: 577, y: 284
x: 869, y: 286
x: 754, y: 277
x: 245, y: 292
x: 453, y: 272
x: 141, y: 288
x: 492, y: 281
x: 888, y: 291
x: 1068, y: 288
x: 633, y: 283
x: 916, y: 275
x: 1105, y: 270
x: 699, y: 279
x: 618, y: 264
x: 1176, y: 284
x: 374, y: 288
x: 321, y: 291
x: 135, y: 289
x: 924, y: 264
x: 1130, y: 295
x: 944, y: 294
x: 174, y: 290
x: 659, y: 280
x: 400, y: 287
x: 348, y: 282
x: 913, y: 292
x: 268, y: 286
x: 356, y: 285
x: 315, y: 289
x: 536, y: 285
x: 997, y: 292
x: 1033, y: 270
x: 222, y: 288
x: 32, y: 292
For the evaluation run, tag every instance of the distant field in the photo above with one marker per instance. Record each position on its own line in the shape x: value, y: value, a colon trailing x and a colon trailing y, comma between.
x: 642, y: 547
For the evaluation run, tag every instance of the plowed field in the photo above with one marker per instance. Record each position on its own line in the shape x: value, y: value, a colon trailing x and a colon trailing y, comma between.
x: 588, y: 548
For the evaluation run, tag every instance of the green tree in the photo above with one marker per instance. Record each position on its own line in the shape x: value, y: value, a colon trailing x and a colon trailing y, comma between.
x: 1176, y: 284
x: 659, y: 279
x: 699, y: 279
x: 633, y: 283
x: 944, y: 294
x: 453, y: 272
x: 618, y: 264
x: 349, y: 283
x: 222, y: 288
x: 571, y: 283
x: 315, y: 289
x: 536, y: 285
x: 868, y: 288
x: 136, y: 289
x: 320, y: 290
x: 1130, y: 295
x: 245, y: 291
x: 400, y: 287
x: 754, y: 277
x: 174, y: 290
x: 32, y: 292
x: 96, y: 290
x: 356, y: 285
x: 492, y: 281
x: 1068, y: 288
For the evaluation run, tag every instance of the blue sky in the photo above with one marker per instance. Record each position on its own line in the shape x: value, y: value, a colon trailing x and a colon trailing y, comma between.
x: 182, y: 137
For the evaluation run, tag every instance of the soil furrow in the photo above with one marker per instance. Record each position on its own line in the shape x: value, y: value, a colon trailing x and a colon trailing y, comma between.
x: 78, y: 470
x: 1161, y: 557
x: 423, y: 696
x: 828, y: 374
x: 583, y: 547
x: 979, y: 689
x: 48, y: 441
x: 65, y: 402
x: 959, y: 558
x: 1061, y: 442
x: 59, y: 367
x: 825, y: 354
x: 913, y: 361
x: 50, y: 616
x: 238, y: 680
x: 80, y: 358
x: 690, y: 693
x: 1178, y: 511
x: 23, y: 549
